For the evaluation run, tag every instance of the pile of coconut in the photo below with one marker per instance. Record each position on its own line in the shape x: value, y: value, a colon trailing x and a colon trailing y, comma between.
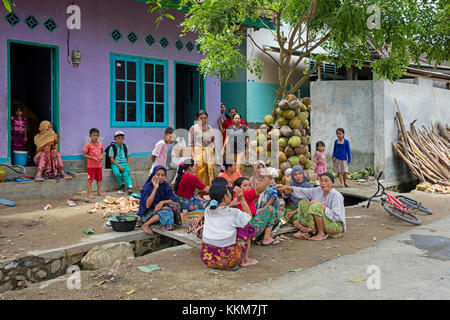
x: 291, y: 128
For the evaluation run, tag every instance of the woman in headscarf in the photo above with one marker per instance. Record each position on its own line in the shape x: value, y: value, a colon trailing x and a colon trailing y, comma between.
x: 158, y: 202
x: 322, y: 212
x: 298, y: 179
x: 47, y: 158
x: 270, y: 196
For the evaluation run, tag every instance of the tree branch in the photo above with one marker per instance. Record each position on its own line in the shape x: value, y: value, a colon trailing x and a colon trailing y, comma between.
x: 305, y: 77
x: 311, y: 13
x: 304, y: 55
x: 254, y: 42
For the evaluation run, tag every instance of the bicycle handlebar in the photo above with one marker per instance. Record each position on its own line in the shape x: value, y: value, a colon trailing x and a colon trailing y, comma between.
x: 378, y: 189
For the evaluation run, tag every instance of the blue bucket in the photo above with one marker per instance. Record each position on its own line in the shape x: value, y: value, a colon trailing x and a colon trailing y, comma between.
x: 20, y: 158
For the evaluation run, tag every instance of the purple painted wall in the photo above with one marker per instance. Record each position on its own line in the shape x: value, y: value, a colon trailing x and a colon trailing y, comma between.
x: 84, y: 96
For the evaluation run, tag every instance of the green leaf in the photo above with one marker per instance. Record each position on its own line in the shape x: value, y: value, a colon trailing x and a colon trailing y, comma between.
x: 168, y: 15
x: 7, y: 5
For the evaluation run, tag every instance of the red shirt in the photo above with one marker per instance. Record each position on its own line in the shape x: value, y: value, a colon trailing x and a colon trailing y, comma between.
x: 94, y: 150
x: 250, y: 197
x: 188, y: 184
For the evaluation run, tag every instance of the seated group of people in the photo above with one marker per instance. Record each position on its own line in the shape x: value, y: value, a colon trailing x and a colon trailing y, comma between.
x: 242, y: 210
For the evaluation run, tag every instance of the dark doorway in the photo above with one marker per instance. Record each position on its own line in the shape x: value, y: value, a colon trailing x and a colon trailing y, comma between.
x: 33, y: 84
x: 189, y: 95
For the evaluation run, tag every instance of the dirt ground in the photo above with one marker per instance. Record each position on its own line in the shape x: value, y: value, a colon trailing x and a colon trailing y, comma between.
x: 28, y: 227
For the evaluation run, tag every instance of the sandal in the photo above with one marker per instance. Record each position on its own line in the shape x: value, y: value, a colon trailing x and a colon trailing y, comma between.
x: 230, y: 269
x: 38, y: 178
x: 271, y: 244
x: 66, y: 176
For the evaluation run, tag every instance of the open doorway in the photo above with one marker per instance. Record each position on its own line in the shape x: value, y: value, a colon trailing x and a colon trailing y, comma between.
x: 189, y: 94
x: 32, y: 84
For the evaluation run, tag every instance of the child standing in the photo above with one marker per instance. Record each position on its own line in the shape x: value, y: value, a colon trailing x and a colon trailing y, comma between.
x: 159, y: 153
x: 19, y: 125
x: 93, y: 152
x: 319, y: 159
x: 341, y: 156
x: 120, y: 162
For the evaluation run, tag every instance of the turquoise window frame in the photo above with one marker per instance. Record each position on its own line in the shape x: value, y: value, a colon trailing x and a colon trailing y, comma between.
x: 140, y: 93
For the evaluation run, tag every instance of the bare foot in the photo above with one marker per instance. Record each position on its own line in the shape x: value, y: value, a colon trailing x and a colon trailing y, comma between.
x: 319, y: 237
x: 249, y: 262
x: 146, y: 228
x: 101, y: 194
x: 301, y: 235
x: 302, y: 228
x: 90, y: 196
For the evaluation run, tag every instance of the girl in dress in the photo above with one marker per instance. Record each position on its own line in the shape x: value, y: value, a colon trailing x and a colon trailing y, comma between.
x: 319, y: 159
x: 19, y: 128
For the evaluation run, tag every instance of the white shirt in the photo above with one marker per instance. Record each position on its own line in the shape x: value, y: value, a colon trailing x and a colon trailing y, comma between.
x: 334, y: 201
x: 220, y: 225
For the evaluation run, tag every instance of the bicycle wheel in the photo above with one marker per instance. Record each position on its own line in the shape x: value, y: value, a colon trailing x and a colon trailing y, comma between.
x: 407, y: 216
x: 411, y: 203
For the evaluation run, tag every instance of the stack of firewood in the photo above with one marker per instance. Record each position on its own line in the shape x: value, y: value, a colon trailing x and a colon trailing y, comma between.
x: 426, y: 152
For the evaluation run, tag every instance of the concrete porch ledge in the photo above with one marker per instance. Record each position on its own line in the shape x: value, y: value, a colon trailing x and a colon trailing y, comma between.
x: 51, y: 188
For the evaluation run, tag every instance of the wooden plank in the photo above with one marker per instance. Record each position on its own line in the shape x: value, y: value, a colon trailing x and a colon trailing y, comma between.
x: 181, y: 234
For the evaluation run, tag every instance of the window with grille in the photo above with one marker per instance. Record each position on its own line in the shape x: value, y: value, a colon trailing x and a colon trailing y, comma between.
x: 138, y: 92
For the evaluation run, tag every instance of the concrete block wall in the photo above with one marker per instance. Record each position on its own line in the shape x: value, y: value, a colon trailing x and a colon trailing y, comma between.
x: 366, y: 110
x: 347, y: 105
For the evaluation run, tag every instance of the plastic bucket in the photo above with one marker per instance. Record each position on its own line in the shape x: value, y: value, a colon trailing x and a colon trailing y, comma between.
x: 124, y: 224
x: 20, y: 158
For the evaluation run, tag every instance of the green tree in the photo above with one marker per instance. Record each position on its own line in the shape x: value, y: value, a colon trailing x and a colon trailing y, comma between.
x: 346, y: 29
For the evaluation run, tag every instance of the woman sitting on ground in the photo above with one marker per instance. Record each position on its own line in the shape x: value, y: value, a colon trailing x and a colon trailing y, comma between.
x: 298, y: 179
x: 226, y: 233
x: 323, y: 213
x: 230, y: 172
x: 270, y: 196
x: 158, y: 202
x: 47, y: 158
x: 185, y: 185
x: 264, y: 220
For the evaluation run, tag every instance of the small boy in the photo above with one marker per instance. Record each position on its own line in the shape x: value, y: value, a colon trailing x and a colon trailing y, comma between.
x: 93, y: 152
x: 120, y: 162
x: 159, y: 153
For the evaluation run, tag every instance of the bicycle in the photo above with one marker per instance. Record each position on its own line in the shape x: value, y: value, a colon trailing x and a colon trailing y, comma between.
x: 401, y: 207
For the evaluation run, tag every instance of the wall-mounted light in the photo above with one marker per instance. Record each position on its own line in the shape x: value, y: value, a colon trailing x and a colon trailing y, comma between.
x: 75, y: 60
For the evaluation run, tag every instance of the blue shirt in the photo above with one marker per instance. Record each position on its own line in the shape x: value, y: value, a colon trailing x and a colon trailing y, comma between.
x: 120, y: 158
x: 342, y: 151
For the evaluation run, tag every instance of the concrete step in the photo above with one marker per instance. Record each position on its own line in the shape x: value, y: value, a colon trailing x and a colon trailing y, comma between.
x: 52, y: 188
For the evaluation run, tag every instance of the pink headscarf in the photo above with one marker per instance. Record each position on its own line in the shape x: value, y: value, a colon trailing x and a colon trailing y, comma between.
x: 257, y: 179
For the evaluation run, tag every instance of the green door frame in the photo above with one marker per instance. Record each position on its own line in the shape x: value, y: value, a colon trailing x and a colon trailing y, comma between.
x: 202, y: 87
x: 54, y: 88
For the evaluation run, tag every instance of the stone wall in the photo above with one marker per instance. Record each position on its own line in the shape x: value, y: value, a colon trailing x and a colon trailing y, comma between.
x: 19, y: 273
